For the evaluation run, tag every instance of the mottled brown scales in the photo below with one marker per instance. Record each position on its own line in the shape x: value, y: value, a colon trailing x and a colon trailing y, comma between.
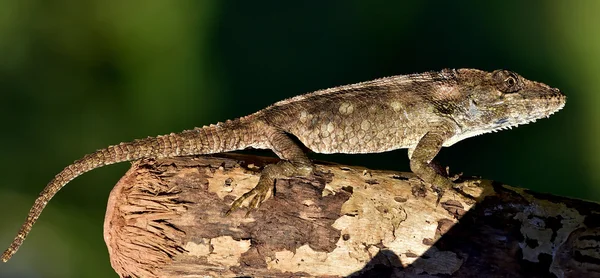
x: 419, y: 112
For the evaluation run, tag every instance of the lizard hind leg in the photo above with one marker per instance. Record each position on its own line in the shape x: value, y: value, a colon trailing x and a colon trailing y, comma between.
x: 294, y: 163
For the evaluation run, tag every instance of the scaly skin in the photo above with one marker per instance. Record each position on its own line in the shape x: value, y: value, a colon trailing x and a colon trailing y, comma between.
x: 420, y: 112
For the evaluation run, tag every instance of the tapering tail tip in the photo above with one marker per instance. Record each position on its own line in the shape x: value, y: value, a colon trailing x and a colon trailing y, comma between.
x: 14, y: 246
x: 7, y: 255
x: 18, y: 241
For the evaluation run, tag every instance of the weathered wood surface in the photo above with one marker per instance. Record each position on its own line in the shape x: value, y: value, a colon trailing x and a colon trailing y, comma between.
x: 165, y: 219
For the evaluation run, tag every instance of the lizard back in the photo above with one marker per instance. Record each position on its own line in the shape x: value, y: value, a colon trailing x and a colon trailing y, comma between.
x: 368, y: 117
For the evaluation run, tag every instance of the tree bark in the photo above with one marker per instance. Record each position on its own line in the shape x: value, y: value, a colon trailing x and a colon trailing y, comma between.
x: 165, y: 218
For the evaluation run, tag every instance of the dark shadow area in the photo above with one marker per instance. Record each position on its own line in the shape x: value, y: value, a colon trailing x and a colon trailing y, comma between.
x: 384, y: 264
x: 488, y: 242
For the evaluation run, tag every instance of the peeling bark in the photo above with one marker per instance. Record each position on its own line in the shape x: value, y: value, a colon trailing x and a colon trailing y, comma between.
x: 165, y: 219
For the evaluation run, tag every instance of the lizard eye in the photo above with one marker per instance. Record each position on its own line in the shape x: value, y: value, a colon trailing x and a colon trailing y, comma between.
x: 506, y: 81
x: 510, y: 81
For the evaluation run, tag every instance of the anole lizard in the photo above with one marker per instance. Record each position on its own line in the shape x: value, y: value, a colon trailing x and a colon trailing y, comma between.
x: 421, y: 112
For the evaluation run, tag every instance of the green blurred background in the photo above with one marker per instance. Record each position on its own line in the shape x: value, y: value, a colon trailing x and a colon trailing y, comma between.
x: 76, y: 76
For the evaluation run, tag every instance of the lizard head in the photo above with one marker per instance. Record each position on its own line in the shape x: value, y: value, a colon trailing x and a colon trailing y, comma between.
x: 491, y: 101
x: 503, y: 99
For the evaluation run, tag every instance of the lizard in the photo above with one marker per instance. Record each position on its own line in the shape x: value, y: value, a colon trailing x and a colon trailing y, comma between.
x: 420, y: 112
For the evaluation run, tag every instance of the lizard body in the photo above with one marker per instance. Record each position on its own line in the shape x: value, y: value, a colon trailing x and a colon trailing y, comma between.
x: 419, y: 112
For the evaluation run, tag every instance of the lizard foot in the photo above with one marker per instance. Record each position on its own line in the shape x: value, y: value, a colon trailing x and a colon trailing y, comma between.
x: 260, y: 193
x: 442, y: 185
x: 266, y: 184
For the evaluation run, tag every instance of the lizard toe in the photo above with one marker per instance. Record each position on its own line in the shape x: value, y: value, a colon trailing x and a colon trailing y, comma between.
x: 256, y: 196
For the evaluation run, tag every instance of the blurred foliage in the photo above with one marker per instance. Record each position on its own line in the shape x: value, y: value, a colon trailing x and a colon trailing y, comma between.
x: 76, y: 76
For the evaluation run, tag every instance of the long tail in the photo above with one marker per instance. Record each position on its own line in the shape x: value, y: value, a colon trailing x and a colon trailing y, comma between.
x: 222, y: 137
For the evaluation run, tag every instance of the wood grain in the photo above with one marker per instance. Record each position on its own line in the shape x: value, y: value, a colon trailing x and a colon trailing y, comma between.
x: 165, y: 219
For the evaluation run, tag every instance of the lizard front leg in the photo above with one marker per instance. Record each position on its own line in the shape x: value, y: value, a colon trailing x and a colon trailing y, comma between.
x: 294, y: 163
x: 422, y: 155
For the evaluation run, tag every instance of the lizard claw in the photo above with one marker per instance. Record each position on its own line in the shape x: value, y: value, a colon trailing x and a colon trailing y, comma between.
x: 260, y: 193
x: 445, y: 184
x: 440, y: 193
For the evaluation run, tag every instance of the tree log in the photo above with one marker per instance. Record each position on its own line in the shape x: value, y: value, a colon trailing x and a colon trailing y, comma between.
x: 165, y: 218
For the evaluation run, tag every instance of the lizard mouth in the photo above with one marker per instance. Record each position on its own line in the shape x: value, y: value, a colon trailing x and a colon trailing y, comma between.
x: 539, y: 107
x: 543, y: 107
x: 553, y: 103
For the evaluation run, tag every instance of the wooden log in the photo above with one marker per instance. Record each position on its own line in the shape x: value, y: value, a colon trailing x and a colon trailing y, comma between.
x: 165, y: 218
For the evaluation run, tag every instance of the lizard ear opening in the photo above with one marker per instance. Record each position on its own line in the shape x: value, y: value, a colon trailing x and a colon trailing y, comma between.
x: 507, y: 81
